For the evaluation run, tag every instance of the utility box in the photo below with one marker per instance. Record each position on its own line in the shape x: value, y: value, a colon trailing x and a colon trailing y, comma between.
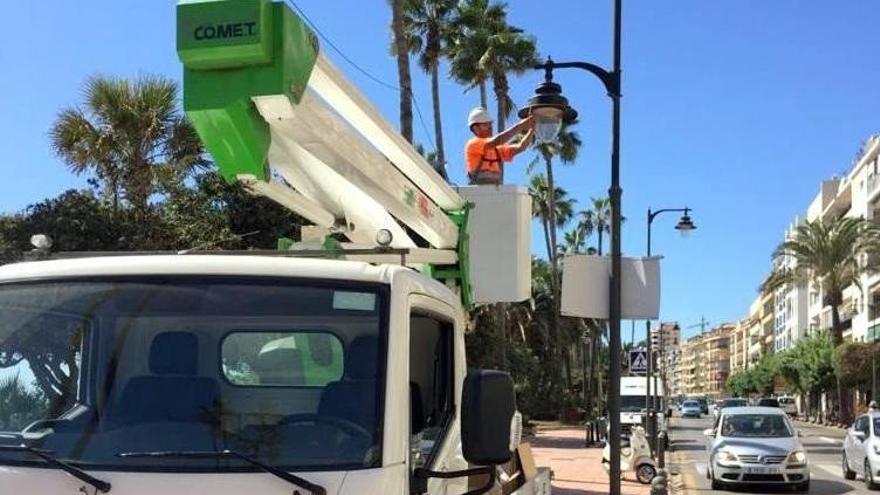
x: 500, y: 242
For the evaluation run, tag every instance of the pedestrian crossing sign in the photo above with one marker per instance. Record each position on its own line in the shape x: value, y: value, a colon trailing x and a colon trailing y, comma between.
x: 638, y: 361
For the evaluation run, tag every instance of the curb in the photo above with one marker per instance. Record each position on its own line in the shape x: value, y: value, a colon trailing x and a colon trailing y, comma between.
x: 681, y: 478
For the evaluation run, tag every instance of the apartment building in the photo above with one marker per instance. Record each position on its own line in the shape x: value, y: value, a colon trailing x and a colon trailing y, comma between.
x: 666, y: 342
x: 705, y: 362
x: 739, y: 346
x: 855, y: 195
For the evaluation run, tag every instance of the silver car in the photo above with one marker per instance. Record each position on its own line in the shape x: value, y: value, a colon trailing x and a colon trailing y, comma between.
x: 861, y: 450
x: 691, y: 408
x: 756, y: 445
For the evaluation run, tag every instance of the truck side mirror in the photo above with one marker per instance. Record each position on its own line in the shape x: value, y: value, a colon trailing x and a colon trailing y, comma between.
x: 487, y: 406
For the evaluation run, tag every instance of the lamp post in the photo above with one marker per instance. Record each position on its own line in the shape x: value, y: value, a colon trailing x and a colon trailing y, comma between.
x: 611, y: 81
x: 684, y: 226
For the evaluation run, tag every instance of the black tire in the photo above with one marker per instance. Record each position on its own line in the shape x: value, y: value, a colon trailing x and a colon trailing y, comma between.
x: 717, y: 485
x: 869, y: 476
x: 645, y: 473
x: 802, y: 487
x: 847, y: 472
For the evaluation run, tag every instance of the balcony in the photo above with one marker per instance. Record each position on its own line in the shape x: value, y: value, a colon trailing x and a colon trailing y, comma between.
x: 872, y: 185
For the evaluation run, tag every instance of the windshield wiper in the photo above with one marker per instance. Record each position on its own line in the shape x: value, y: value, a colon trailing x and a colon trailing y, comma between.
x: 210, y: 454
x: 74, y: 471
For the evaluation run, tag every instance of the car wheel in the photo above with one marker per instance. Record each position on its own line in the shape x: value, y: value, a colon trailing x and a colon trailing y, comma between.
x: 869, y: 476
x: 645, y: 473
x: 802, y: 487
x: 847, y: 472
x: 717, y: 485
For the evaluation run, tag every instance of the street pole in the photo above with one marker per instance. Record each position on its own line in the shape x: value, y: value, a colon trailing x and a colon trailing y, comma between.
x: 615, y: 192
x: 684, y: 224
x: 612, y: 82
x: 649, y: 402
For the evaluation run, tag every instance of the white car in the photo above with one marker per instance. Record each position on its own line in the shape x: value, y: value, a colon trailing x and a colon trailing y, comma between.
x: 861, y: 450
x: 756, y: 445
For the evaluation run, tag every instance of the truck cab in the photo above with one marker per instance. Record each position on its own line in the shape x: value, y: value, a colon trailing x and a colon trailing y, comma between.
x: 238, y: 374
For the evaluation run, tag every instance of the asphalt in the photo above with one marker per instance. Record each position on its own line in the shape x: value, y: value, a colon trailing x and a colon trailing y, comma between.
x: 687, y: 460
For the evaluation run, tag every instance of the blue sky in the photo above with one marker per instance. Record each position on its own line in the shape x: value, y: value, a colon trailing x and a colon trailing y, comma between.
x: 735, y: 108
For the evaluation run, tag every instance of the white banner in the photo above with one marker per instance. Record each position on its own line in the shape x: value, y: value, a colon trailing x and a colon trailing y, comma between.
x: 586, y: 280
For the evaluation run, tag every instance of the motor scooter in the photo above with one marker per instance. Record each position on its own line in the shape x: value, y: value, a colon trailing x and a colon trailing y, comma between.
x: 635, y: 455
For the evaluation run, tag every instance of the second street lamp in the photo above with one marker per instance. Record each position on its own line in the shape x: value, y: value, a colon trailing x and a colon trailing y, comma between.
x: 685, y: 226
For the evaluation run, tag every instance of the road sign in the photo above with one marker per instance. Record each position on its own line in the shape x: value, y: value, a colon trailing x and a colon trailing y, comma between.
x: 638, y: 362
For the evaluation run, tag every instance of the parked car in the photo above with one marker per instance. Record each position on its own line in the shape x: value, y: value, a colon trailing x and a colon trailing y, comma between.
x: 720, y: 406
x: 691, y: 408
x: 756, y: 445
x: 861, y: 450
x: 789, y: 405
x: 767, y: 402
x: 704, y: 404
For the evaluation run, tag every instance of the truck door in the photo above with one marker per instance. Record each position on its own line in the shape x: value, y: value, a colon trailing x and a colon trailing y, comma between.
x: 433, y: 382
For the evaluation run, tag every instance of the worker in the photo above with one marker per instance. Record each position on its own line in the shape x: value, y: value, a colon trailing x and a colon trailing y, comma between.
x: 485, y: 154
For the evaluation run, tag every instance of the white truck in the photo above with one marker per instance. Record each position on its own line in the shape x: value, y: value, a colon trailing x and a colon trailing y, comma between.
x: 335, y: 365
x: 633, y: 390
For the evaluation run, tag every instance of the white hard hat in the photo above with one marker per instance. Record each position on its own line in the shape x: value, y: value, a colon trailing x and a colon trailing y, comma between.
x: 479, y: 115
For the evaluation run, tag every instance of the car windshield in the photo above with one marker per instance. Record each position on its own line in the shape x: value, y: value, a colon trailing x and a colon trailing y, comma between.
x: 768, y: 403
x: 734, y: 403
x: 288, y: 373
x: 691, y: 403
x: 756, y: 426
x: 876, y: 422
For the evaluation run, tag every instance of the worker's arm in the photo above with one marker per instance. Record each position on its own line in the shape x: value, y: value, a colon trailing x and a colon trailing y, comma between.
x: 504, y: 137
x: 524, y: 143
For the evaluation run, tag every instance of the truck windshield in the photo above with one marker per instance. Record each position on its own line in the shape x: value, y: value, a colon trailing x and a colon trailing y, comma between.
x: 289, y: 373
x: 636, y: 403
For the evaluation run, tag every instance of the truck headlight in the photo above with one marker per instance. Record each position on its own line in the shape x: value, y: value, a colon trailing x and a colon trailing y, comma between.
x: 797, y: 458
x: 726, y: 458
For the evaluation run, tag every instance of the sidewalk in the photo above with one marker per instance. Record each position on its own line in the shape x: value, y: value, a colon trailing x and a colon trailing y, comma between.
x: 577, y: 470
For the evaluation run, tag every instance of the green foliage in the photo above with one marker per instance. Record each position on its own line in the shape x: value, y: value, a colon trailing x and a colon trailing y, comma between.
x: 19, y: 406
x: 758, y: 379
x: 739, y: 384
x: 762, y: 376
x: 808, y: 366
x: 129, y: 134
x: 852, y: 362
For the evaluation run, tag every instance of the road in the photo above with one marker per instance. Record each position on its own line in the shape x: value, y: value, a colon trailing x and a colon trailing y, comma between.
x: 687, y: 461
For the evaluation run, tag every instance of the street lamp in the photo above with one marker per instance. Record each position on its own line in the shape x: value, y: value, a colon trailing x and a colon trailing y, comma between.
x: 611, y: 81
x: 684, y: 226
x: 548, y: 107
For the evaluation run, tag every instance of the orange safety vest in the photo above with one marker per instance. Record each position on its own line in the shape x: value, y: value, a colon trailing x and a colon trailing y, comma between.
x: 481, y: 159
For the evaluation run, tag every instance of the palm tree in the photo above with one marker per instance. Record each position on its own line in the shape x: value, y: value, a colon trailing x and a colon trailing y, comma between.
x: 401, y: 51
x: 539, y: 190
x: 471, y: 28
x: 597, y: 219
x: 484, y: 46
x: 130, y: 134
x: 566, y: 147
x: 425, y: 23
x: 833, y: 255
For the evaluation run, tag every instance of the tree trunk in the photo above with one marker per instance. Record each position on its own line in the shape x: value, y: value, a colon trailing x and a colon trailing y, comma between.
x: 501, y: 88
x: 438, y: 124
x: 484, y: 99
x: 554, y: 266
x: 599, y: 231
x: 843, y: 398
x: 403, y: 73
